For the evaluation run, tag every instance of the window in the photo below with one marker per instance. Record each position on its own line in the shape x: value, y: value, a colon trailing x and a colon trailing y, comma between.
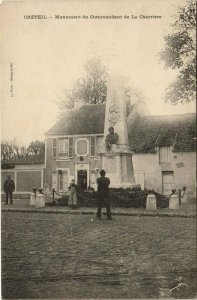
x: 63, y: 147
x: 164, y: 154
x: 60, y: 179
x: 66, y: 147
x: 93, y: 146
x: 54, y: 148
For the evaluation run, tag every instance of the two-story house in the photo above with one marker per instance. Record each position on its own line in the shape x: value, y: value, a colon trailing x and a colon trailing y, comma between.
x: 72, y: 148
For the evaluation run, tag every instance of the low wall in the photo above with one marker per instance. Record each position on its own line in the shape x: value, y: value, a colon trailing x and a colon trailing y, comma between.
x: 25, y: 179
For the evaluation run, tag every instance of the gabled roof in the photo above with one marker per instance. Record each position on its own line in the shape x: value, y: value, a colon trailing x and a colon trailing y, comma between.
x: 29, y: 160
x: 173, y: 130
x: 88, y: 119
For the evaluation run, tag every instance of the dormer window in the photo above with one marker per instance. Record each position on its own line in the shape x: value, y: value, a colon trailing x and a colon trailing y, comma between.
x: 164, y: 154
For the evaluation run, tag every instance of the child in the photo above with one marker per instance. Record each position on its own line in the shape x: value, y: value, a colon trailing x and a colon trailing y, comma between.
x: 184, y: 195
x: 72, y: 201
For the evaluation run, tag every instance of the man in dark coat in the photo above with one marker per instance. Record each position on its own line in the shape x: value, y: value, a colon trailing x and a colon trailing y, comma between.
x: 9, y: 188
x: 103, y: 195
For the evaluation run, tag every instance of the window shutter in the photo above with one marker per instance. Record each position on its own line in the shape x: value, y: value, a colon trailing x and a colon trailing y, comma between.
x: 70, y: 154
x: 92, y: 146
x: 164, y: 154
x: 100, y: 143
x: 54, y: 180
x: 54, y: 148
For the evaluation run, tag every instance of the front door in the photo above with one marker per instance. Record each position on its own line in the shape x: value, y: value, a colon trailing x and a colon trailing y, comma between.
x: 168, y: 182
x: 82, y: 179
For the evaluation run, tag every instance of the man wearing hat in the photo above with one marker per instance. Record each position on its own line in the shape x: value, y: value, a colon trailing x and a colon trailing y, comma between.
x: 9, y: 188
x: 103, y: 195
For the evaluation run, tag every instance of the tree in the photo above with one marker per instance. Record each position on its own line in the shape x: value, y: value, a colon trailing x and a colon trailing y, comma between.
x: 91, y: 89
x: 180, y: 53
x: 36, y: 148
x: 7, y: 151
x: 10, y: 150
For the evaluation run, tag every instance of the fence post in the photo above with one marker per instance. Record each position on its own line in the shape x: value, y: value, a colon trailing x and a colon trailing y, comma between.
x: 179, y: 196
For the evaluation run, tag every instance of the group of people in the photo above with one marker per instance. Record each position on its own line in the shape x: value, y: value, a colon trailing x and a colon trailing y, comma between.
x: 103, y: 195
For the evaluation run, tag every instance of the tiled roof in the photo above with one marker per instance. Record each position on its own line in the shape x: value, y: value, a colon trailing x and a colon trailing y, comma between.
x: 30, y: 160
x: 176, y: 130
x: 87, y: 119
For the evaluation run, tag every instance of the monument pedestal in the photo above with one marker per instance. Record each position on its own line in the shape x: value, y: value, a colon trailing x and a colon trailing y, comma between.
x: 119, y: 167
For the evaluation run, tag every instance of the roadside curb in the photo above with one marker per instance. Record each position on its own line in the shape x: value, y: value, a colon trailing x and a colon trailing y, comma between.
x: 82, y: 212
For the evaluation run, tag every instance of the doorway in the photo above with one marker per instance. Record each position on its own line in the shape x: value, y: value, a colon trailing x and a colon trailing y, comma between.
x: 168, y: 182
x: 82, y: 179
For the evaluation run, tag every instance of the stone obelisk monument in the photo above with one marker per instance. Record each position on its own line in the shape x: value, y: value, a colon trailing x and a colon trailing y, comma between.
x: 117, y: 156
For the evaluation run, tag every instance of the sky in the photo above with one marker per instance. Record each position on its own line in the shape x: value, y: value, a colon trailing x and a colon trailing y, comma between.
x: 44, y: 57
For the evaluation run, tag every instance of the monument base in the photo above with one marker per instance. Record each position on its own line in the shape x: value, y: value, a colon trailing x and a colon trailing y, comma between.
x: 119, y: 168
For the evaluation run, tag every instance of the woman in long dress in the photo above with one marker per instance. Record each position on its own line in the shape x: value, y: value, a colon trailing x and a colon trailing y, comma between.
x: 72, y: 201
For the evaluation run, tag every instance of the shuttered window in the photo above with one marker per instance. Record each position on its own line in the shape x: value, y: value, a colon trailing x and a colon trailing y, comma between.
x: 164, y: 154
x: 66, y: 147
x: 63, y: 147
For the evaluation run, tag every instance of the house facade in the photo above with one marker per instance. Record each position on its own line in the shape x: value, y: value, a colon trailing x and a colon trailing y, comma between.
x: 72, y: 148
x: 163, y: 146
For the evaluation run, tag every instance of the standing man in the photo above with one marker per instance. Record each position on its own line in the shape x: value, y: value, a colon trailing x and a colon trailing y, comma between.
x: 103, y: 195
x: 9, y: 188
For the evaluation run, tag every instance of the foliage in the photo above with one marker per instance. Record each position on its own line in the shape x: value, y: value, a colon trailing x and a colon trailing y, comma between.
x: 119, y: 198
x: 11, y: 150
x: 180, y: 53
x: 36, y: 147
x: 91, y: 89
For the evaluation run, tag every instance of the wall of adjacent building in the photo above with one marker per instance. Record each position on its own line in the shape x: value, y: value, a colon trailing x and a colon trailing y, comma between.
x: 182, y: 164
x: 25, y: 177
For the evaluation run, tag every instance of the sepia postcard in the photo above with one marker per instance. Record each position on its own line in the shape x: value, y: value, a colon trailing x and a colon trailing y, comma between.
x: 98, y: 149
